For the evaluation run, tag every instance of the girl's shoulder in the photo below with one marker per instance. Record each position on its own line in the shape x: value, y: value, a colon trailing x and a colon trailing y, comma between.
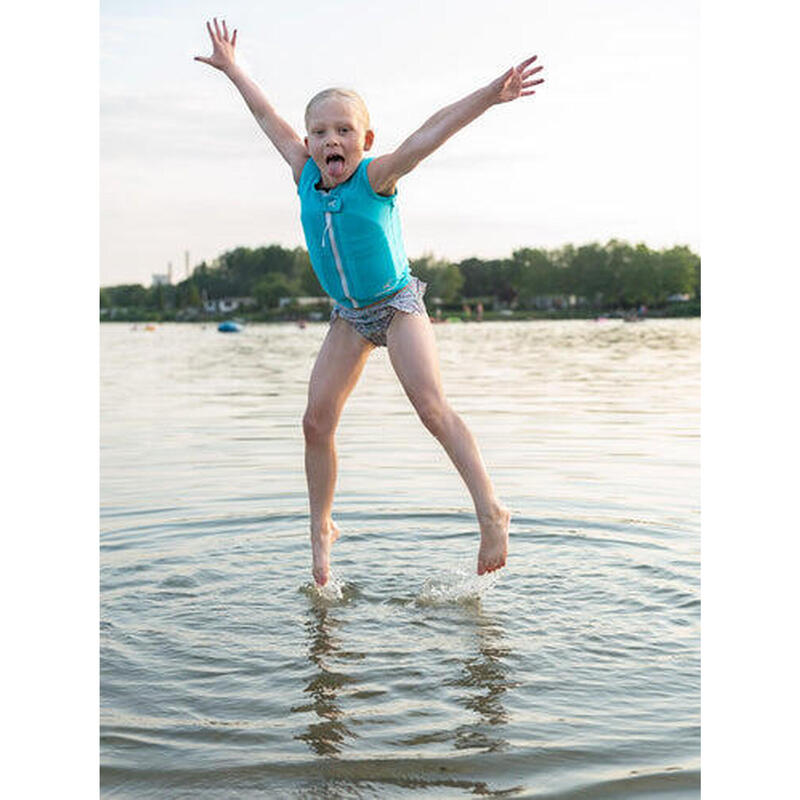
x: 364, y: 179
x: 308, y: 177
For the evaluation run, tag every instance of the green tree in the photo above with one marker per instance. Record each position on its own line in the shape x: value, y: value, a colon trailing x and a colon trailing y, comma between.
x: 157, y: 298
x: 679, y: 268
x: 443, y: 278
x: 639, y: 279
x: 619, y: 255
x: 187, y: 294
x: 534, y: 273
x: 561, y: 259
x: 588, y: 274
x: 616, y: 273
x: 303, y: 273
x: 272, y: 287
x: 697, y: 280
x: 478, y: 279
x: 128, y: 295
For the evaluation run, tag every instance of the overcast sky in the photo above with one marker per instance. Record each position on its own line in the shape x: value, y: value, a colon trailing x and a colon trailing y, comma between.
x: 608, y: 147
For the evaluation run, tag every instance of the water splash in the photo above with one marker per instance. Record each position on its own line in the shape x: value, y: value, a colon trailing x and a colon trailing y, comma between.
x: 334, y: 592
x: 456, y: 585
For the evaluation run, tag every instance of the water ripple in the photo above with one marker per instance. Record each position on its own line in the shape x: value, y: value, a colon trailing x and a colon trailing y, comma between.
x: 572, y: 672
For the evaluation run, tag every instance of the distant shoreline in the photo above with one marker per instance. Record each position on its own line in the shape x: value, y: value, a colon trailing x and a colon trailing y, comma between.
x: 446, y: 318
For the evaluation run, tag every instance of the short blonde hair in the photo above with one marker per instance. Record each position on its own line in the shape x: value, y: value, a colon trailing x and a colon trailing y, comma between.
x: 348, y: 95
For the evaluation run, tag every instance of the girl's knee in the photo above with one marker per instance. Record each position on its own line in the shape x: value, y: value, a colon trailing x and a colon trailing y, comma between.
x: 318, y: 426
x: 433, y: 411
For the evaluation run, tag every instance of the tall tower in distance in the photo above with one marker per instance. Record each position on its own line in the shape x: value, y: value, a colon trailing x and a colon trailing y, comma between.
x: 186, y: 275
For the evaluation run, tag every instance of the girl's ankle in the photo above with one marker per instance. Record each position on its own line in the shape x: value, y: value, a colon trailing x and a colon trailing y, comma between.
x: 322, y: 529
x: 492, y: 511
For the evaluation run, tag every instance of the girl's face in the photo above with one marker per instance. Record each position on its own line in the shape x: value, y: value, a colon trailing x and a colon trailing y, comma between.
x: 337, y: 139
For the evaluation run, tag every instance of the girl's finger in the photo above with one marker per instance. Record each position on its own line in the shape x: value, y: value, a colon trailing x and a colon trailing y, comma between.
x: 526, y: 84
x: 225, y: 28
x: 524, y: 94
x: 527, y: 61
x: 233, y: 41
x: 210, y: 32
x: 529, y: 72
x: 216, y: 27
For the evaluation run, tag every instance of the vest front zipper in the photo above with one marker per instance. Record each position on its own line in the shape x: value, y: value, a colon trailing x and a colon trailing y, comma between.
x: 336, y: 258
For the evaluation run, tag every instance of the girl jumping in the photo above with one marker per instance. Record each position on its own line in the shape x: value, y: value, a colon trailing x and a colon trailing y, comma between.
x: 349, y: 214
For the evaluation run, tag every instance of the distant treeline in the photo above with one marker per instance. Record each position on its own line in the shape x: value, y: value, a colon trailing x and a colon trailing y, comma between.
x: 614, y: 276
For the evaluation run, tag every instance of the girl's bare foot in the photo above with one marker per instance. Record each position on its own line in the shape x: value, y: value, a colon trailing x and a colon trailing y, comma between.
x: 321, y: 543
x: 494, y: 540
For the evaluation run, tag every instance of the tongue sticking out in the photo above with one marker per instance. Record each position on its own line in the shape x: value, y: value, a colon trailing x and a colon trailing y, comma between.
x: 336, y: 167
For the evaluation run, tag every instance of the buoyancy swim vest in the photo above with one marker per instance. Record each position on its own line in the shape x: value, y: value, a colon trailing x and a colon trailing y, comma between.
x: 353, y: 237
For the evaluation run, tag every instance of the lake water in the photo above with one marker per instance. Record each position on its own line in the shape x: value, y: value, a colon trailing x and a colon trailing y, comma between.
x: 573, y: 672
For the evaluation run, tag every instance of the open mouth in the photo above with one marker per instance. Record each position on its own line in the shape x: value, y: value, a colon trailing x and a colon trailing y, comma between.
x: 335, y: 164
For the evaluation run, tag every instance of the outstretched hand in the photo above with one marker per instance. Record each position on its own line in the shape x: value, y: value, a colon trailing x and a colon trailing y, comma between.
x: 512, y: 84
x: 223, y: 56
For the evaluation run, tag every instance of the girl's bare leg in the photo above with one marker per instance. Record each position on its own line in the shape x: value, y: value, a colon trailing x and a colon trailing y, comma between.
x: 339, y: 364
x: 412, y: 351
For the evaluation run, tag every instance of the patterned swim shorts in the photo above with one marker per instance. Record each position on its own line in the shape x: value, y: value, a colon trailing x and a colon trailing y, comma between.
x: 373, y: 321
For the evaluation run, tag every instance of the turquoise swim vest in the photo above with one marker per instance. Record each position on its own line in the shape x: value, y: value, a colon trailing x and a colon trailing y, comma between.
x: 353, y: 238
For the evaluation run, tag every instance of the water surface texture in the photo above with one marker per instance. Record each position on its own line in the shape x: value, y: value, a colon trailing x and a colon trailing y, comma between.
x: 572, y: 673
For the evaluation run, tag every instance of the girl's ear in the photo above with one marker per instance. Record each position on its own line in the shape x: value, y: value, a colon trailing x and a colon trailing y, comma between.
x: 305, y: 141
x: 369, y: 138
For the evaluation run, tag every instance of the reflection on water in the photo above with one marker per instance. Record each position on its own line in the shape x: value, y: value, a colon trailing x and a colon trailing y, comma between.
x: 480, y: 678
x: 485, y: 677
x: 326, y: 736
x: 573, y: 672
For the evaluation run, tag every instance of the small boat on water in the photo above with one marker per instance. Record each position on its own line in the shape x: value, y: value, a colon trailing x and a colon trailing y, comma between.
x: 229, y: 326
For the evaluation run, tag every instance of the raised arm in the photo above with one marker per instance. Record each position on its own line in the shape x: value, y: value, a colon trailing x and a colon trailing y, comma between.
x: 280, y: 133
x: 385, y: 171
